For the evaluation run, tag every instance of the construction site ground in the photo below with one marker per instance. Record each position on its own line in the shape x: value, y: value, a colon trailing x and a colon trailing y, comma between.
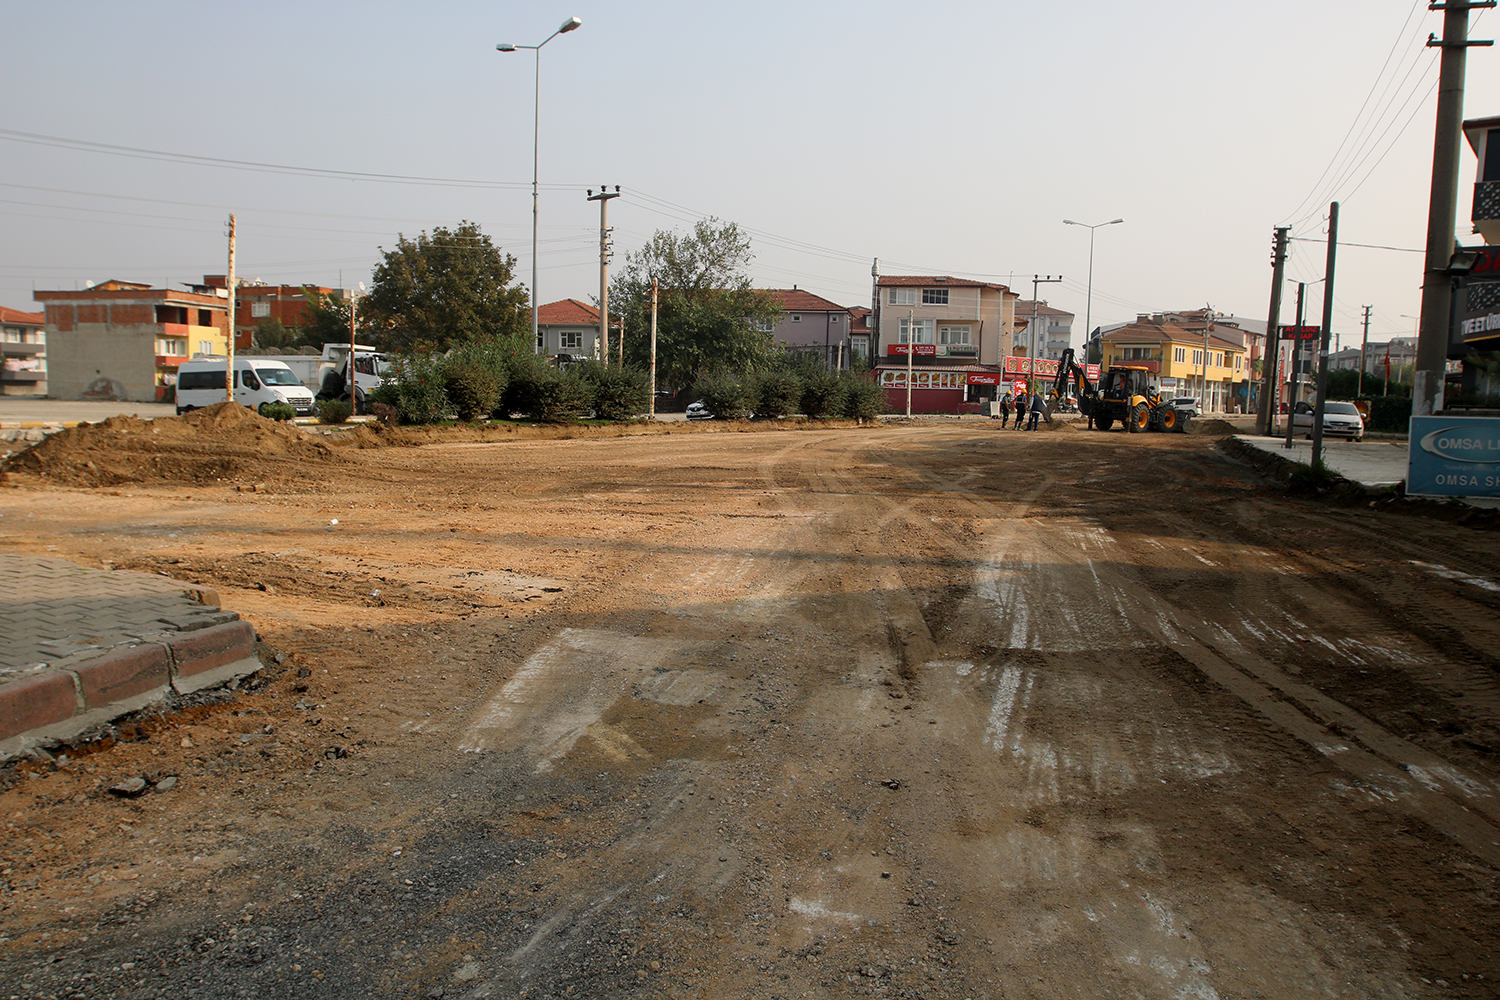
x: 723, y: 711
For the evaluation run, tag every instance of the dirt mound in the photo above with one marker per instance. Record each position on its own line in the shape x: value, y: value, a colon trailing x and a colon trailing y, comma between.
x: 1212, y: 428
x: 223, y: 441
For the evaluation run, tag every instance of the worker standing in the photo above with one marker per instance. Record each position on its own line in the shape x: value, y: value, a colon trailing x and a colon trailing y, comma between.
x: 1005, y: 410
x: 1037, y: 407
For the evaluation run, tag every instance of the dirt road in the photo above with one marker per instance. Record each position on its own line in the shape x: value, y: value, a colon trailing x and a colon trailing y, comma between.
x: 932, y: 711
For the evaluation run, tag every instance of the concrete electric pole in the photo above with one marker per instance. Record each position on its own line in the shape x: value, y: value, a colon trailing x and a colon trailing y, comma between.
x: 229, y: 350
x: 1320, y: 401
x: 1442, y: 207
x: 1272, y: 353
x: 1364, y: 346
x: 603, y: 198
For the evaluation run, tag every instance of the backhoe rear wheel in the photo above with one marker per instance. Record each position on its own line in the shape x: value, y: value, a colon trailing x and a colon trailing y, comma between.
x: 1104, y: 423
x: 1140, y: 418
x: 1169, y: 419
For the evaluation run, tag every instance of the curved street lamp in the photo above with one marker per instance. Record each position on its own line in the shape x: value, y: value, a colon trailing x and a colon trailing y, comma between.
x: 1088, y: 309
x: 569, y: 25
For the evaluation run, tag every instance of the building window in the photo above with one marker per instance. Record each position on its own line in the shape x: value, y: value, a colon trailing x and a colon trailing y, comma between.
x: 1239, y: 358
x: 919, y: 331
x: 934, y: 296
x: 541, y: 339
x: 953, y: 335
x: 205, y: 317
x: 902, y: 297
x: 205, y: 347
x: 1179, y: 354
x: 859, y: 347
x: 259, y: 309
x: 796, y: 318
x: 763, y: 325
x: 171, y: 347
x: 833, y: 319
x: 1197, y: 358
x: 570, y: 340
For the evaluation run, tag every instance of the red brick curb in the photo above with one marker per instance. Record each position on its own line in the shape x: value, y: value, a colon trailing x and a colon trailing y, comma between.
x: 123, y: 673
x: 63, y: 702
x: 34, y: 702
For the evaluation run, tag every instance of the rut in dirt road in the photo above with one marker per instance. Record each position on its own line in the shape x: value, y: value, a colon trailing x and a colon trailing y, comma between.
x: 909, y: 712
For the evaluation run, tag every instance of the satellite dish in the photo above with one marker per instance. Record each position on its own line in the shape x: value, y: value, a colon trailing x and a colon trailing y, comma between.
x: 87, y: 283
x: 361, y: 286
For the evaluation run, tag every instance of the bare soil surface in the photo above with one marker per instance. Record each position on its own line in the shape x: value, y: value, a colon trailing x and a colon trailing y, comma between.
x: 901, y: 711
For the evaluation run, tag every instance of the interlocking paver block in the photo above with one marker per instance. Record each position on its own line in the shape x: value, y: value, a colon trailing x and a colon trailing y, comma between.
x: 32, y: 702
x: 123, y: 673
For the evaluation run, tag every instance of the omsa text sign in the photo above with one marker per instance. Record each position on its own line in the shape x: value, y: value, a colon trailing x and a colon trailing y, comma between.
x: 1454, y: 456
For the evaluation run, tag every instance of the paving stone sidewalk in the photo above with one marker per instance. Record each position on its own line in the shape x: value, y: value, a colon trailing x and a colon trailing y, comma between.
x: 79, y: 646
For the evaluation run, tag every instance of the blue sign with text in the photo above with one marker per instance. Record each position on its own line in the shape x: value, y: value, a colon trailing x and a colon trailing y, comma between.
x: 1454, y: 457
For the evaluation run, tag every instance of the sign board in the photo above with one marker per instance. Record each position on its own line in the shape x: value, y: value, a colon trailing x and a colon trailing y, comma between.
x: 985, y: 378
x: 917, y: 349
x: 1031, y: 366
x: 895, y: 378
x: 1478, y: 316
x: 1454, y: 457
x: 1301, y: 332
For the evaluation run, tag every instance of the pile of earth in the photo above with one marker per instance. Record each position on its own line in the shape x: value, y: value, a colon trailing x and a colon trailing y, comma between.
x: 1212, y: 428
x: 223, y: 441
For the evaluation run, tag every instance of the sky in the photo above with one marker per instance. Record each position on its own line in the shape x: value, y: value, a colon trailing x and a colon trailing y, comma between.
x: 943, y: 138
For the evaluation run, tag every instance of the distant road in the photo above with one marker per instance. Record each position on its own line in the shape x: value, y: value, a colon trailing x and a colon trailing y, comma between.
x: 26, y: 410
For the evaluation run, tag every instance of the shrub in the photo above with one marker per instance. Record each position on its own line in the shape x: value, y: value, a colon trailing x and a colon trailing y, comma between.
x: 474, y: 387
x: 277, y: 411
x: 384, y: 394
x: 560, y: 397
x: 524, y: 372
x: 865, y: 400
x: 1389, y: 413
x: 334, y: 411
x: 421, y: 392
x: 618, y: 393
x: 823, y: 395
x: 727, y: 395
x: 386, y: 413
x: 778, y: 393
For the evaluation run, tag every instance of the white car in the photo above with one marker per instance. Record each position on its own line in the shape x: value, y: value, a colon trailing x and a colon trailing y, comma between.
x: 697, y: 411
x: 1185, y: 405
x: 1340, y: 419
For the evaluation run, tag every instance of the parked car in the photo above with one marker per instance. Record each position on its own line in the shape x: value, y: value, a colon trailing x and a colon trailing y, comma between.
x: 1185, y: 405
x: 1339, y: 420
x: 697, y: 411
x: 257, y: 383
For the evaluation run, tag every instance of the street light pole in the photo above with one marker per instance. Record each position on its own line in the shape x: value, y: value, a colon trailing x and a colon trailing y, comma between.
x: 1088, y: 309
x: 536, y: 132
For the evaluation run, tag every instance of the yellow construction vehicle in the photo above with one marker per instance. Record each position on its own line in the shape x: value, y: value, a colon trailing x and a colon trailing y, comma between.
x: 1125, y: 395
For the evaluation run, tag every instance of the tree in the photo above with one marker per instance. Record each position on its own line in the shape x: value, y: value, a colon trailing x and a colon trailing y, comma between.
x: 708, y: 316
x: 452, y: 287
x: 327, y: 319
x: 270, y: 333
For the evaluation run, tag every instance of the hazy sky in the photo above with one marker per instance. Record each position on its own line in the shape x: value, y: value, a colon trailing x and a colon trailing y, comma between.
x: 948, y: 138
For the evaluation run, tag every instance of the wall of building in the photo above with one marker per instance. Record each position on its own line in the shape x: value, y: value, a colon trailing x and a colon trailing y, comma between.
x: 95, y: 361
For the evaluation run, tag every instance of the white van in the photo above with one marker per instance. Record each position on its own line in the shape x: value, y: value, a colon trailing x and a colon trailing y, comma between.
x: 257, y: 381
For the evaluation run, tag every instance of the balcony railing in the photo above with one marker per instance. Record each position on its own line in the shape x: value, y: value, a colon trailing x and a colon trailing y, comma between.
x: 1486, y: 201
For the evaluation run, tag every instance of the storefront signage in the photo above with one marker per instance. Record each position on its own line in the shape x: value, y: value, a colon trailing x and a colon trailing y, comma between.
x: 895, y: 378
x: 1454, y: 456
x: 1044, y: 366
x: 918, y: 350
x: 985, y: 378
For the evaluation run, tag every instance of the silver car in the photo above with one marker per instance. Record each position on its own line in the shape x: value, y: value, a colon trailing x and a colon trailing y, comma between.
x: 1184, y: 404
x: 697, y: 411
x: 1340, y: 419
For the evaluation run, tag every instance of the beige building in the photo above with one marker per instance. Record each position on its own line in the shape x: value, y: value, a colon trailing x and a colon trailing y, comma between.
x: 24, y: 347
x: 945, y: 320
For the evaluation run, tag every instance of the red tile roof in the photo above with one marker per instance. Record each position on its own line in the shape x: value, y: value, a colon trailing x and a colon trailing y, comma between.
x: 1042, y: 309
x: 569, y: 312
x: 1166, y: 331
x: 17, y: 316
x: 797, y: 300
x: 937, y: 281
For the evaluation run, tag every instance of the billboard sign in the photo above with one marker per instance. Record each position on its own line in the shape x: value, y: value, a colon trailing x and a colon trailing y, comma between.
x: 1454, y: 457
x: 917, y: 349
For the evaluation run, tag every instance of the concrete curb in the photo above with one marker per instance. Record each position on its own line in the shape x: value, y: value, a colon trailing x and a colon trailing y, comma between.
x: 61, y: 703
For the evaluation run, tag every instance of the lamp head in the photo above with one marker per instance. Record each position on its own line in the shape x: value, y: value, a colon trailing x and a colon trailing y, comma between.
x: 570, y: 24
x: 505, y: 47
x: 1070, y: 222
x: 1114, y: 222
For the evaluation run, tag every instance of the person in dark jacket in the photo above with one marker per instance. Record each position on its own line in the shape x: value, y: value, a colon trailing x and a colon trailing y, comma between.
x: 1037, y: 408
x: 1005, y: 411
x: 1020, y: 409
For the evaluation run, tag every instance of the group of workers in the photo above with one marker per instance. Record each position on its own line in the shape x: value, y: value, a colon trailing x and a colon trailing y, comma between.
x: 1019, y: 403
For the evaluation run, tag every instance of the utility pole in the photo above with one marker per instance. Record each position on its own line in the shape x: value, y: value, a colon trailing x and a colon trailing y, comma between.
x: 229, y: 352
x: 1318, y: 404
x: 1296, y: 363
x: 603, y: 198
x: 1208, y: 325
x: 1364, y: 346
x: 1269, y: 385
x: 1442, y: 207
x: 653, y: 348
x: 1036, y: 279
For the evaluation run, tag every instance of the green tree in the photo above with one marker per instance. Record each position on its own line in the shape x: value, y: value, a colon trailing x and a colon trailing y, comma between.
x: 327, y: 319
x: 708, y: 316
x: 436, y: 291
x: 270, y: 333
